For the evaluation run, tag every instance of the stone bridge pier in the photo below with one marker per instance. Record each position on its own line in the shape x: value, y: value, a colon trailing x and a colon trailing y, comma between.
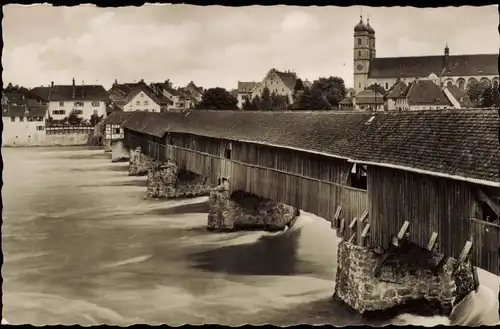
x: 244, y: 211
x: 139, y: 163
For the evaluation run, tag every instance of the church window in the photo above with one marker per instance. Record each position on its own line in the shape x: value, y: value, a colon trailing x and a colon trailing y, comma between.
x: 359, y: 41
x: 360, y: 85
x: 386, y: 86
x: 359, y: 53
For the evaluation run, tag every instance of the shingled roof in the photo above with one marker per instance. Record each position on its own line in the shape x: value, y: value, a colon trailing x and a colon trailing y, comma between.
x: 288, y: 78
x: 64, y: 93
x: 460, y: 95
x: 460, y: 143
x: 422, y: 66
x: 30, y: 111
x: 426, y: 92
x: 159, y: 99
x: 116, y: 118
x: 397, y: 90
x: 369, y: 97
x: 246, y: 87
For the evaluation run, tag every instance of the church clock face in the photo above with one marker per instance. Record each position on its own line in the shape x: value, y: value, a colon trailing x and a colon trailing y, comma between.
x: 359, y: 67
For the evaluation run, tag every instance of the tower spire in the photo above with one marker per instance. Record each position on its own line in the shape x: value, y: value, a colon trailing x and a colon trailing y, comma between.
x: 361, y: 14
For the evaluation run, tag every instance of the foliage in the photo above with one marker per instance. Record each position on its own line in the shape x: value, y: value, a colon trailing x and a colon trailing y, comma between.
x: 297, y: 90
x: 313, y: 99
x: 333, y: 88
x: 95, y: 119
x: 256, y: 104
x: 266, y: 103
x: 279, y: 102
x: 73, y: 119
x: 218, y: 99
x: 490, y: 97
x: 377, y: 88
x: 247, y: 104
x: 475, y: 90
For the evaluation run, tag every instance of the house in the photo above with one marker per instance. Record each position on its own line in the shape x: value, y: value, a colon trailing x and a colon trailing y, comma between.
x: 368, y: 100
x: 118, y: 92
x: 244, y: 91
x: 280, y: 83
x: 113, y: 131
x: 195, y: 91
x: 83, y: 100
x: 180, y: 102
x: 422, y: 94
x: 458, y: 97
x: 346, y: 104
x: 143, y: 98
x: 23, y: 125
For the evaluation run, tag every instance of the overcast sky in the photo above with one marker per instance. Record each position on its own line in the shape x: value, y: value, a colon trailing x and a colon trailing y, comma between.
x: 217, y: 46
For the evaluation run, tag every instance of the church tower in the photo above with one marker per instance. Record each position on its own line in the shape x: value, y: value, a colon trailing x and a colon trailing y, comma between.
x: 362, y: 55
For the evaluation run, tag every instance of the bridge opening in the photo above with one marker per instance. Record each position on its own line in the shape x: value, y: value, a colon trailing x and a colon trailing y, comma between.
x: 357, y: 177
x: 227, y: 151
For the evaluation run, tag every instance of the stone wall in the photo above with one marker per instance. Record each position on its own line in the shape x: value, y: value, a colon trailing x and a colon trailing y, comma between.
x: 107, y: 145
x: 244, y: 211
x: 357, y: 286
x: 166, y: 180
x: 139, y: 164
x: 118, y: 152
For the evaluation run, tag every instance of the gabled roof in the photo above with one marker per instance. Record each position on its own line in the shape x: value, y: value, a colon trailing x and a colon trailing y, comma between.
x: 423, y: 66
x: 461, y: 143
x: 24, y: 110
x: 142, y: 87
x: 288, y: 78
x: 460, y: 95
x: 64, y: 93
x: 397, y: 90
x: 116, y: 118
x: 246, y: 87
x: 346, y: 101
x: 426, y: 92
x: 166, y: 87
x: 369, y: 96
x: 195, y: 87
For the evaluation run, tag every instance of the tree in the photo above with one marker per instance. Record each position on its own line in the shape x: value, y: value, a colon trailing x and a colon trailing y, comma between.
x: 297, y: 90
x: 332, y: 87
x: 490, y: 97
x: 279, y: 101
x: 266, y: 103
x: 247, y: 105
x: 313, y: 100
x: 74, y: 119
x: 377, y: 88
x: 218, y: 99
x: 475, y: 90
x: 95, y: 119
x: 256, y: 104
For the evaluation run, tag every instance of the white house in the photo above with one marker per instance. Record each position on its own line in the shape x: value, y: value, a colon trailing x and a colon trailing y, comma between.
x: 245, y: 90
x: 180, y: 102
x: 83, y: 100
x: 280, y: 83
x: 23, y: 125
x: 143, y: 98
x: 113, y: 134
x: 368, y: 100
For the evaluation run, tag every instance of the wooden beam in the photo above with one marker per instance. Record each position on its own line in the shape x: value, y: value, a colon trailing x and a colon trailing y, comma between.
x: 403, y: 230
x: 341, y: 228
x: 359, y: 230
x: 489, y: 201
x: 465, y: 252
x: 336, y: 216
x: 364, y: 234
x: 380, y: 264
x: 351, y: 239
x: 475, y: 275
x: 353, y: 222
x: 364, y: 216
x: 432, y: 242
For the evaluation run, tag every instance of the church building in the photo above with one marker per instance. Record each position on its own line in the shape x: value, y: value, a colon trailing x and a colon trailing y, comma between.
x: 457, y: 70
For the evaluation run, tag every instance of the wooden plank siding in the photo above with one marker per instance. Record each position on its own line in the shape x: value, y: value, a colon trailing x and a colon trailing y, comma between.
x: 429, y: 203
x: 485, y: 245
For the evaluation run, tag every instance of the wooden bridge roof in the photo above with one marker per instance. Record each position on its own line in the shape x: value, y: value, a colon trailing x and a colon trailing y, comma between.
x: 458, y: 144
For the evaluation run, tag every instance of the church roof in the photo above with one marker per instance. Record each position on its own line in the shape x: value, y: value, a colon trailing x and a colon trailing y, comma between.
x: 460, y: 95
x: 422, y: 66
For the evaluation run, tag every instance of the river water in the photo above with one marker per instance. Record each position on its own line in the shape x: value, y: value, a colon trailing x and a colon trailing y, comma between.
x: 82, y: 245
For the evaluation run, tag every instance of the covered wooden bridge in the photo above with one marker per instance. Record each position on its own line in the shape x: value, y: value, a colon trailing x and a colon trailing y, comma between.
x: 432, y: 174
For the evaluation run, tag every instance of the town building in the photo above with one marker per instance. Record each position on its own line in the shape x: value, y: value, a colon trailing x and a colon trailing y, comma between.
x: 23, y: 125
x: 368, y: 100
x: 180, y: 101
x: 83, y: 100
x: 458, y: 70
x: 194, y: 91
x: 113, y: 132
x: 245, y: 90
x: 138, y: 97
x: 280, y: 83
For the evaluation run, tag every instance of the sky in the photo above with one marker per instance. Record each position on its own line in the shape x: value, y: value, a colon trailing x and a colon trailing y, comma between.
x: 217, y: 46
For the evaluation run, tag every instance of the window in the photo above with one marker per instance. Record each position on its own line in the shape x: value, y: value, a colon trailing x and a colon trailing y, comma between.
x: 138, y: 103
x: 142, y: 95
x: 40, y: 127
x: 360, y: 85
x: 13, y: 119
x: 21, y: 119
x: 359, y: 53
x: 146, y: 110
x: 227, y: 151
x: 96, y: 104
x: 39, y: 119
x: 61, y: 104
x: 58, y: 112
x: 146, y: 103
x: 116, y: 130
x: 357, y: 176
x: 78, y: 103
x: 386, y: 85
x: 359, y: 41
x: 78, y: 111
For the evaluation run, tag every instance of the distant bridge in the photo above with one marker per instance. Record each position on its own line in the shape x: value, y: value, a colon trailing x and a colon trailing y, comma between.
x: 432, y: 174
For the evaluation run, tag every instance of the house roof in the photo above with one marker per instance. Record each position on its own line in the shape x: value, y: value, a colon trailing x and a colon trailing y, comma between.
x: 397, y: 90
x: 426, y: 92
x: 460, y: 95
x: 116, y: 118
x: 423, y: 66
x: 24, y: 110
x: 192, y: 86
x: 288, y: 78
x: 156, y: 97
x: 22, y: 97
x: 346, y: 101
x: 166, y: 86
x: 246, y: 87
x: 65, y: 93
x: 456, y: 142
x: 369, y: 97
